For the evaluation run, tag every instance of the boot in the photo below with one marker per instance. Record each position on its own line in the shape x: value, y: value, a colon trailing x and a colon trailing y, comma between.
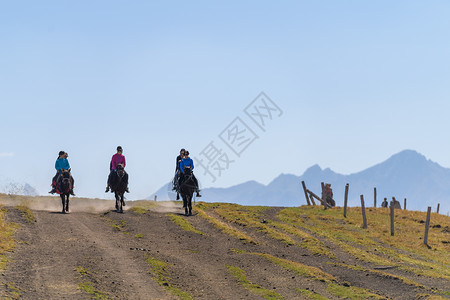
x: 198, y: 194
x: 72, y: 193
x: 107, y: 189
x: 52, y: 191
x: 178, y: 196
x: 127, y: 190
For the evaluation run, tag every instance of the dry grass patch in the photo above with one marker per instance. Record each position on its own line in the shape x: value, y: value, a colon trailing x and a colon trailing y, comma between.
x: 184, y: 224
x: 7, y: 242
x: 224, y: 227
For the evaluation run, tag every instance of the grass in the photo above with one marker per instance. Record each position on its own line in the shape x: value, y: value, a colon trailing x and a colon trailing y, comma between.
x: 139, y: 236
x: 240, y: 275
x: 351, y: 292
x: 12, y: 290
x: 251, y: 216
x: 375, y: 245
x: 159, y: 268
x: 310, y: 295
x: 26, y: 213
x: 7, y: 242
x: 87, y: 286
x: 138, y: 210
x: 224, y: 227
x: 184, y: 224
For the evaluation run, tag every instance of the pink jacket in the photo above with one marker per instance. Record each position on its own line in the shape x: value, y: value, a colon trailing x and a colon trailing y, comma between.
x: 117, y: 159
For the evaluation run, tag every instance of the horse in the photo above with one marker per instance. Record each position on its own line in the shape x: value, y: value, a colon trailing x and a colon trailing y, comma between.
x: 63, y: 186
x: 119, y: 182
x: 187, y: 188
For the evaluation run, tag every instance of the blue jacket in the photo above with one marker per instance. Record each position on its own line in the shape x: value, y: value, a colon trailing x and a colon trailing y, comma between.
x: 186, y: 162
x: 62, y: 164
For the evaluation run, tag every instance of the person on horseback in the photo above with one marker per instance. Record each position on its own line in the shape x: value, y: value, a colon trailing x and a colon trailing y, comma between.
x: 176, y: 178
x: 188, y: 163
x: 117, y: 159
x: 61, y: 164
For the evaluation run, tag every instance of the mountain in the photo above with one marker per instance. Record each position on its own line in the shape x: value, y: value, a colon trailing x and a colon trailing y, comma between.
x: 407, y: 174
x: 8, y: 186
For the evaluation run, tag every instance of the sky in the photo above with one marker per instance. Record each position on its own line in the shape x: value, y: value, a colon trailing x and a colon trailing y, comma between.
x: 346, y: 85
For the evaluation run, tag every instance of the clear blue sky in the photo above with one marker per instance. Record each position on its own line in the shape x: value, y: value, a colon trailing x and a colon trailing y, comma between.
x: 357, y: 81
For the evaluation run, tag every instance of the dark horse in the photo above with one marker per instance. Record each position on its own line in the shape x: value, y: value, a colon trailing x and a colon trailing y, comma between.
x: 119, y: 182
x: 63, y: 187
x: 187, y: 189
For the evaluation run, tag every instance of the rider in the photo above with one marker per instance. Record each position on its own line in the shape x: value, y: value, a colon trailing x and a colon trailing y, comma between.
x: 177, y: 169
x: 61, y: 164
x: 117, y: 159
x: 187, y: 162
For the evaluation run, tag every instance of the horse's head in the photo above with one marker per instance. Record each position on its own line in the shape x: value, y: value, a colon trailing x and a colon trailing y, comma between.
x: 65, y: 175
x: 187, y: 171
x: 120, y: 170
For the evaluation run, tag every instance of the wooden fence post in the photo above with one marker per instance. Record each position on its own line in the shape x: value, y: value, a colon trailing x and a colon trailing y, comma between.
x: 363, y: 208
x: 324, y: 199
x: 437, y: 211
x: 392, y: 217
x: 404, y: 204
x: 427, y: 226
x: 312, y: 199
x: 345, y: 200
x: 306, y: 194
x: 374, y: 197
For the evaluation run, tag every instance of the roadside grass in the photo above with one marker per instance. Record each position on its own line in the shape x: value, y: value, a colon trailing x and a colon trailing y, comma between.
x: 351, y: 292
x: 311, y: 295
x: 7, y: 242
x: 375, y: 245
x: 12, y: 290
x: 138, y: 210
x: 139, y: 236
x: 87, y: 286
x: 184, y: 224
x: 224, y: 227
x: 241, y: 277
x: 26, y: 213
x: 251, y: 216
x: 159, y: 268
x: 344, y: 290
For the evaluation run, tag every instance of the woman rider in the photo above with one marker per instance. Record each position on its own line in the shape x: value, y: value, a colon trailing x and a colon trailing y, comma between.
x: 177, y: 170
x: 188, y: 162
x: 117, y: 159
x: 61, y: 164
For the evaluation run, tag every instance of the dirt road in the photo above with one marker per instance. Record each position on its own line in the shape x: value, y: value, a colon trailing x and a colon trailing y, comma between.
x: 146, y: 255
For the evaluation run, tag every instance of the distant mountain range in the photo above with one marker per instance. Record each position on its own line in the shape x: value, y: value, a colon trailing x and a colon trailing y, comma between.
x: 407, y: 174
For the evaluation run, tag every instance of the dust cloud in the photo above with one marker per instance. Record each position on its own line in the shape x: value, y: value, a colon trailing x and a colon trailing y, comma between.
x: 53, y: 203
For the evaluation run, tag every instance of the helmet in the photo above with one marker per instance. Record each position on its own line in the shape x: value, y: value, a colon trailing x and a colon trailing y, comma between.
x: 119, y: 148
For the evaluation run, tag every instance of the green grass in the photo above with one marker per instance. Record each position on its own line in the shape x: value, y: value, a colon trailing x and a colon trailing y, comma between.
x: 26, y: 213
x: 138, y: 210
x: 375, y: 245
x: 240, y: 275
x: 139, y: 236
x: 224, y: 227
x: 12, y: 290
x: 184, y: 224
x: 351, y: 292
x: 7, y: 242
x: 311, y: 295
x: 159, y: 268
x: 87, y: 286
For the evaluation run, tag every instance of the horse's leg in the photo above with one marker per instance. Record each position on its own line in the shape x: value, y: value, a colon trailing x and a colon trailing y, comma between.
x: 63, y: 203
x: 190, y: 205
x: 67, y: 202
x: 117, y: 201
x: 121, y: 202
